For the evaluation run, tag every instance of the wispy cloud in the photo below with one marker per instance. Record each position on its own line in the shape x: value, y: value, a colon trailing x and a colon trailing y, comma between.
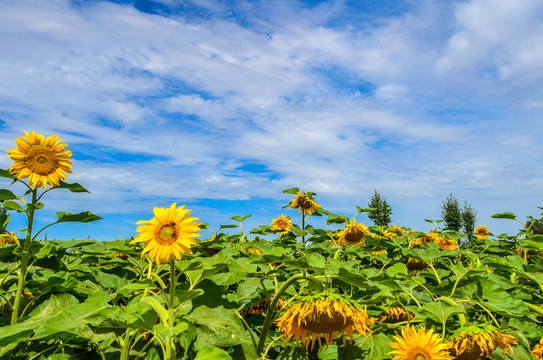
x: 206, y: 100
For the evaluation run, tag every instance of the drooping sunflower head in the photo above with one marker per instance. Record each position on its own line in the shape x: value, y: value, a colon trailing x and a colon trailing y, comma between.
x: 305, y: 203
x: 396, y: 314
x: 282, y: 223
x: 44, y: 161
x: 261, y: 307
x: 537, y: 351
x: 323, y: 316
x: 169, y: 234
x: 474, y: 343
x: 353, y: 234
x: 415, y: 265
x: 8, y: 238
x: 482, y: 232
x: 398, y: 231
x: 446, y: 244
x: 419, y: 345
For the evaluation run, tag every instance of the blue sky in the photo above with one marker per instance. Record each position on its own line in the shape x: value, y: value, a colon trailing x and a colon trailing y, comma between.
x: 221, y: 105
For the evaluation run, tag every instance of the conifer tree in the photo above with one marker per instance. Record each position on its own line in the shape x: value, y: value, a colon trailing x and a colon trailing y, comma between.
x: 382, y: 214
x: 451, y: 213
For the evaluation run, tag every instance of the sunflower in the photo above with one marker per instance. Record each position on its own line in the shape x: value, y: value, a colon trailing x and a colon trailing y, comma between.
x: 477, y: 344
x: 305, y: 203
x: 282, y: 223
x: 414, y: 265
x: 396, y: 314
x: 378, y: 252
x: 537, y: 351
x: 8, y: 238
x: 261, y: 307
x: 322, y: 316
x: 45, y: 161
x: 121, y: 256
x: 482, y: 232
x: 447, y: 244
x: 353, y: 234
x: 398, y: 231
x: 419, y: 345
x: 169, y: 234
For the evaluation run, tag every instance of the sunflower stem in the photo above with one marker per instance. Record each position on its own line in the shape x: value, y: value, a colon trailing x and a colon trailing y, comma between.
x: 271, y: 308
x: 170, y: 345
x: 24, y: 262
x: 303, y: 227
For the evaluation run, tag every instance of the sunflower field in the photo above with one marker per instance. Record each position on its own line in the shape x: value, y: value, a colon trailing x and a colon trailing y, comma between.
x: 284, y: 290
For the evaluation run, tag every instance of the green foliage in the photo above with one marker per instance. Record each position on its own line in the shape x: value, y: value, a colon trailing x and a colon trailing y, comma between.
x: 100, y: 300
x: 381, y: 215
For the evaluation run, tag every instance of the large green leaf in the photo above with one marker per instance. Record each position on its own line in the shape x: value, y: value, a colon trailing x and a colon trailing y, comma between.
x: 440, y: 312
x: 217, y: 327
x: 210, y: 352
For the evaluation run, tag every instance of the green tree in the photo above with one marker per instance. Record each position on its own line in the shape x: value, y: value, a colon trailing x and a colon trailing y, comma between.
x: 451, y: 213
x: 469, y: 218
x: 381, y: 216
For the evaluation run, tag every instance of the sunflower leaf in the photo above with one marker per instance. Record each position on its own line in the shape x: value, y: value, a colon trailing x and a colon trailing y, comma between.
x: 84, y: 217
x: 12, y: 205
x: 5, y: 194
x: 210, y: 352
x: 6, y: 174
x: 504, y: 215
x: 75, y: 187
x: 294, y: 190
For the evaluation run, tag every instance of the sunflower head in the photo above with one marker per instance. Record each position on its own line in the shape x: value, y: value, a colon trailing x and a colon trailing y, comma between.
x: 396, y: 230
x: 419, y: 345
x: 8, y: 238
x: 414, y: 265
x: 261, y: 307
x: 305, y: 203
x: 475, y: 343
x: 447, y: 244
x: 396, y: 314
x: 537, y: 351
x: 44, y: 161
x: 322, y: 316
x: 482, y: 232
x: 169, y: 234
x: 120, y: 256
x: 282, y: 223
x: 353, y: 234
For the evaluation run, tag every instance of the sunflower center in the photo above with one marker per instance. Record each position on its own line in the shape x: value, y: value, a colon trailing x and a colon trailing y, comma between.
x: 41, y: 160
x: 354, y: 235
x: 418, y: 353
x: 167, y: 234
x: 281, y: 224
x: 323, y: 322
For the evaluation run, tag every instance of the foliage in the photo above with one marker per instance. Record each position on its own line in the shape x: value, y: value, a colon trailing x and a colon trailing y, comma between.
x: 83, y: 299
x: 381, y: 216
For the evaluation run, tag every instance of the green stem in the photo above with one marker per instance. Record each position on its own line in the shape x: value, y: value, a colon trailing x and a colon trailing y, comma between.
x: 273, y: 304
x: 435, y: 273
x: 170, y: 345
x: 248, y: 329
x: 24, y: 263
x: 303, y: 227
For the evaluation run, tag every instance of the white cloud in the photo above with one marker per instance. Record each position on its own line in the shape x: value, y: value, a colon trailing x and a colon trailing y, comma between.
x: 203, y: 97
